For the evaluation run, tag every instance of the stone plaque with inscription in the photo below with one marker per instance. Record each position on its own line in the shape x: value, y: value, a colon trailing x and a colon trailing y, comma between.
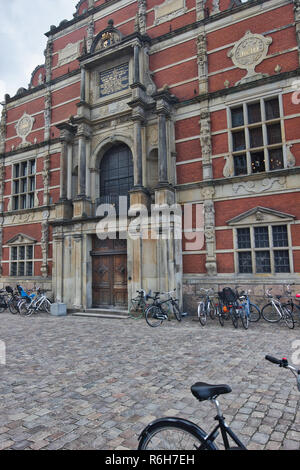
x: 114, y: 80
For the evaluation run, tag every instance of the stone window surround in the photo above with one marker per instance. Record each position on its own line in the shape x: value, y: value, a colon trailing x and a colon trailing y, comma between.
x: 249, y: 100
x: 17, y: 243
x: 271, y: 248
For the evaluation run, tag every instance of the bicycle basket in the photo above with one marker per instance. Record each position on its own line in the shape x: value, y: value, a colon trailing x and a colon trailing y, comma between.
x: 227, y: 295
x: 9, y: 289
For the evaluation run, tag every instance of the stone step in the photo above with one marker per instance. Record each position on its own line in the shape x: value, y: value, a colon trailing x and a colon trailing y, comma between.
x: 103, y: 313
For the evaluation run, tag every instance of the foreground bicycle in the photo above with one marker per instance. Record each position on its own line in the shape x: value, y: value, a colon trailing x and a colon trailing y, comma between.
x: 181, y: 434
x: 33, y: 303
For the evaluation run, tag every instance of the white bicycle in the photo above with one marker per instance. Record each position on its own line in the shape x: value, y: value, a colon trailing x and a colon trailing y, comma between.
x: 40, y: 303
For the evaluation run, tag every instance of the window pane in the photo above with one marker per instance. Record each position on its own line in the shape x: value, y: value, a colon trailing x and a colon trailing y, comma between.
x: 22, y: 252
x: 16, y: 203
x: 261, y: 235
x: 24, y: 169
x: 282, y: 262
x: 276, y: 159
x: 23, y: 202
x: 272, y: 109
x: 240, y: 165
x: 274, y: 134
x: 256, y: 137
x: 245, y: 262
x: 17, y: 170
x: 21, y: 269
x: 254, y: 114
x: 237, y: 117
x: 14, y: 253
x: 32, y: 167
x: 16, y: 187
x: 29, y: 270
x: 263, y: 264
x: 29, y: 252
x: 280, y: 236
x: 24, y: 185
x: 238, y: 140
x: 31, y: 200
x: 243, y: 235
x: 32, y: 184
x: 13, y: 269
x: 258, y: 162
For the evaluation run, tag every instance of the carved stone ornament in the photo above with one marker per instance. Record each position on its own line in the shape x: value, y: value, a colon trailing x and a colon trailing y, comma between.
x: 24, y: 127
x: 249, y: 52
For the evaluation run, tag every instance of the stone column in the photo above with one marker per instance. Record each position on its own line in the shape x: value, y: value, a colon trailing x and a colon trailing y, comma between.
x: 136, y: 55
x: 82, y: 84
x: 209, y: 230
x: 297, y: 21
x: 205, y: 139
x: 81, y: 167
x: 58, y: 278
x: 69, y: 176
x: 66, y: 138
x: 78, y: 284
x: 162, y: 149
x: 138, y: 176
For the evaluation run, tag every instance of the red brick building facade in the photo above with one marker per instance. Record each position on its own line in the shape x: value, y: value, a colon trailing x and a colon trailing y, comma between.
x: 177, y: 101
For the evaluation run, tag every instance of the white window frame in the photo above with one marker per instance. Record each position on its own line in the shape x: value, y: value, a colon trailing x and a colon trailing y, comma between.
x: 270, y: 248
x: 263, y: 124
x: 18, y: 179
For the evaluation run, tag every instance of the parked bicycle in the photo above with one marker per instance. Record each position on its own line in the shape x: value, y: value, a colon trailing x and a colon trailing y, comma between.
x: 138, y: 304
x: 206, y: 306
x: 160, y: 311
x: 251, y: 312
x: 275, y: 310
x: 173, y: 433
x: 9, y: 300
x: 293, y: 307
x: 228, y: 307
x: 33, y: 303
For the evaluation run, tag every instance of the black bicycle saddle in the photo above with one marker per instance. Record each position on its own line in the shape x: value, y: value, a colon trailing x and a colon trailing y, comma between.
x: 203, y: 391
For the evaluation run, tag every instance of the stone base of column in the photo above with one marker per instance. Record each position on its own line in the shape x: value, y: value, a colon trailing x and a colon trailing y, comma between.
x: 165, y: 194
x: 64, y: 210
x: 82, y: 207
x: 139, y: 195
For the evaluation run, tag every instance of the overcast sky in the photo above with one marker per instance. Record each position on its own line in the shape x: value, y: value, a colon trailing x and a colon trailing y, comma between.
x: 23, y: 25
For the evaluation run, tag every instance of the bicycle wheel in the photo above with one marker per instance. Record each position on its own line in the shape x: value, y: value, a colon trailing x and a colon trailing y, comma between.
x: 136, y: 308
x: 24, y: 309
x: 255, y: 313
x: 176, y: 311
x: 234, y: 317
x: 13, y: 306
x: 154, y: 316
x: 173, y: 434
x: 2, y: 303
x: 270, y: 313
x: 46, y: 306
x: 288, y: 317
x: 202, y: 313
x: 220, y: 315
x: 211, y: 309
x: 244, y: 317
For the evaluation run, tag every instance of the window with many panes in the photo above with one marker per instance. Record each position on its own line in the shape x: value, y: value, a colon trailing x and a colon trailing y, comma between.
x: 256, y: 136
x: 21, y: 260
x: 23, y: 185
x: 263, y: 249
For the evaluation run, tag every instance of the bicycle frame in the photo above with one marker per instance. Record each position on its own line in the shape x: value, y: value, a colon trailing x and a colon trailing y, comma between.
x: 225, y: 432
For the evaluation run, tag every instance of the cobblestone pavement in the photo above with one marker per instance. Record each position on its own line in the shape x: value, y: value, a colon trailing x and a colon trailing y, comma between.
x: 87, y: 383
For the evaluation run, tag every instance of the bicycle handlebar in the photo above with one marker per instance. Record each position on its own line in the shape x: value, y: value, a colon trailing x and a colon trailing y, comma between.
x: 284, y: 363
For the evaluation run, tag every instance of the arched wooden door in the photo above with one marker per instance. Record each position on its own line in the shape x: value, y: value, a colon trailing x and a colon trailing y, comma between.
x: 109, y: 257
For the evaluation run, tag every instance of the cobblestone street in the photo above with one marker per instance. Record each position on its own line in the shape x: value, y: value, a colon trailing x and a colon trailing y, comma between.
x: 87, y: 383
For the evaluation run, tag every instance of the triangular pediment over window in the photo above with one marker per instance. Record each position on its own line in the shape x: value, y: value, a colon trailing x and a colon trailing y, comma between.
x: 21, y: 239
x: 261, y: 215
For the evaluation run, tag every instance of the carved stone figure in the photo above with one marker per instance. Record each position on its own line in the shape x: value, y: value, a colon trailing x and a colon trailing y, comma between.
x: 228, y: 170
